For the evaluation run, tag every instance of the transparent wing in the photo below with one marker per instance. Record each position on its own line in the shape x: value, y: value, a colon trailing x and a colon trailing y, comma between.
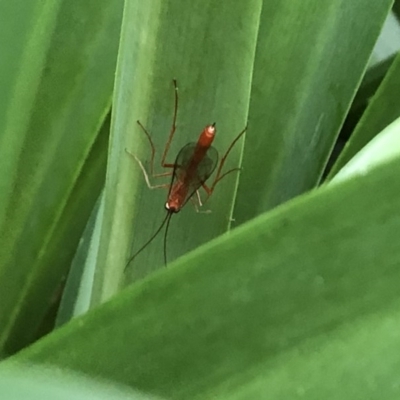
x: 192, y: 168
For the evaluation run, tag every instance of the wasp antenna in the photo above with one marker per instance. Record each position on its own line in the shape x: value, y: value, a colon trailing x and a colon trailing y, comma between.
x: 167, y: 218
x: 165, y: 238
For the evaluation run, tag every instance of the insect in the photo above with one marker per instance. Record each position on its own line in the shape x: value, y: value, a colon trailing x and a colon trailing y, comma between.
x: 194, y: 164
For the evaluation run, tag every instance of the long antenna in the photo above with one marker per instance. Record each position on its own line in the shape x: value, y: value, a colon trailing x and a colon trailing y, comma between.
x: 165, y: 238
x: 167, y: 218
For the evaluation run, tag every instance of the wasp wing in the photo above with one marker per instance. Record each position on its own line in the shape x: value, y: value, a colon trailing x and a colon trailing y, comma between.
x: 193, y: 167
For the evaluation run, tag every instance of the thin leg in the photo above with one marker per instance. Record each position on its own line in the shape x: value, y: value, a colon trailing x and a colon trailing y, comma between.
x: 153, y: 152
x: 209, y: 190
x: 198, y: 204
x: 146, y: 175
x: 219, y: 176
x: 195, y: 205
x: 153, y: 148
x: 199, y: 198
x: 168, y: 144
x: 173, y: 128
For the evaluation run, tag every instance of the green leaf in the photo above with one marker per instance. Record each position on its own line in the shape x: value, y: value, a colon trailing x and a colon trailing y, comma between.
x: 301, y: 302
x: 59, y: 158
x: 210, y: 52
x: 34, y: 382
x: 25, y: 34
x: 296, y: 288
x: 371, y: 81
x: 77, y: 293
x: 310, y: 58
x: 383, y: 109
x: 382, y: 149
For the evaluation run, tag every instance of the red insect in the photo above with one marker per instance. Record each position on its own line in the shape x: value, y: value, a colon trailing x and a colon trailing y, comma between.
x: 193, y: 165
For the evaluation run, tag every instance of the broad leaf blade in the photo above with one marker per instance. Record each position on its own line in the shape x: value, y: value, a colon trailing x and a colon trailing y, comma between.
x: 25, y: 34
x: 383, y: 109
x: 311, y: 270
x: 60, y: 170
x: 210, y: 54
x: 310, y: 59
x: 77, y: 294
x: 37, y: 383
x: 380, y: 150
